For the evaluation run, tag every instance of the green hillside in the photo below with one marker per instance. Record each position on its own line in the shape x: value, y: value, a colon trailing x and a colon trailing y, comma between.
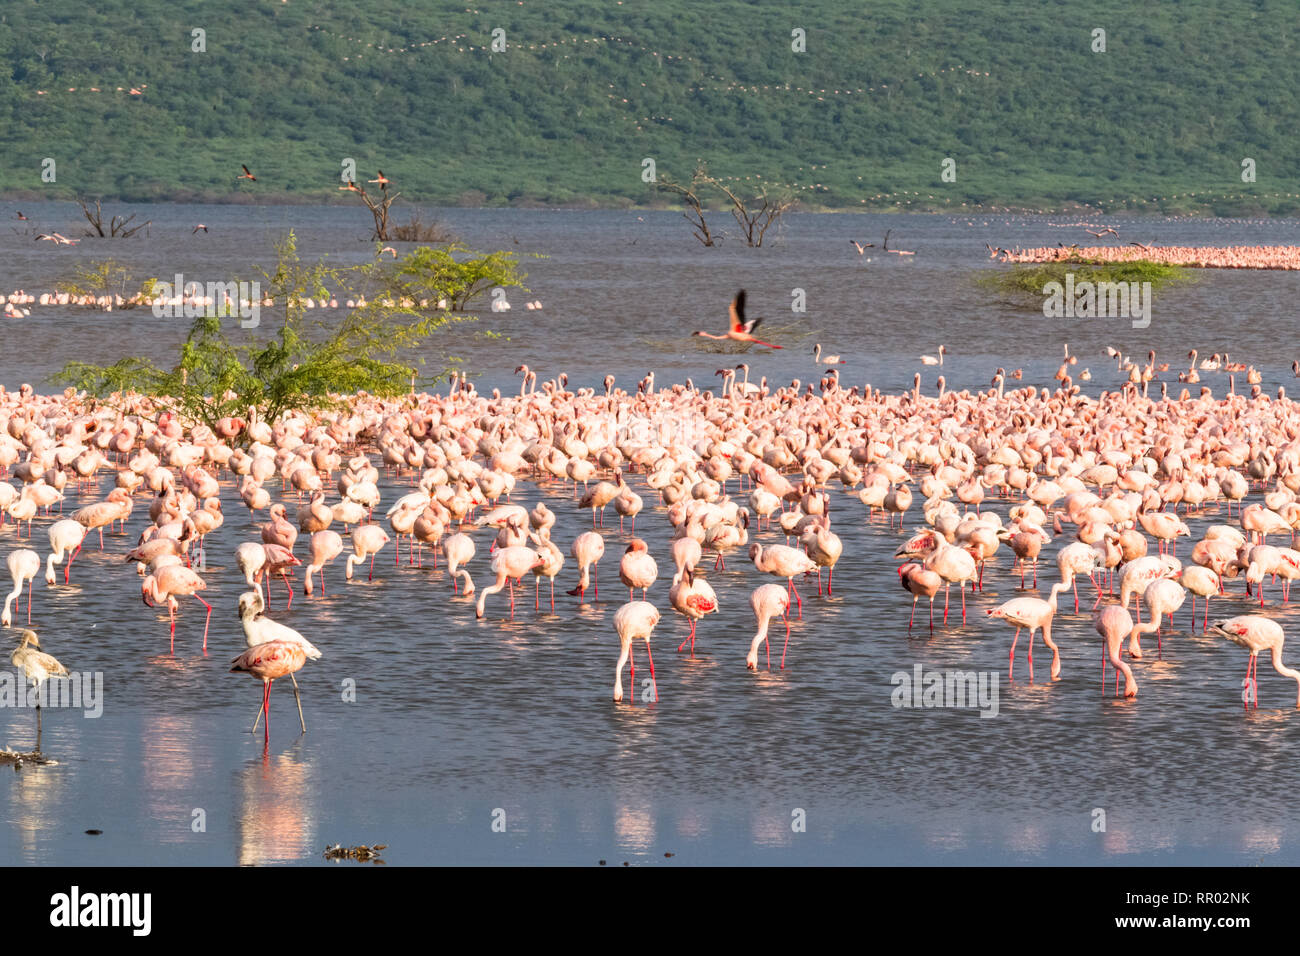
x: 585, y: 91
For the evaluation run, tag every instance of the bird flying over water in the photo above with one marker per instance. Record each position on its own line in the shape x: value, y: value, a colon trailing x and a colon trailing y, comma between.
x: 382, y: 180
x: 198, y: 227
x: 740, y: 329
x: 247, y: 174
x: 862, y: 247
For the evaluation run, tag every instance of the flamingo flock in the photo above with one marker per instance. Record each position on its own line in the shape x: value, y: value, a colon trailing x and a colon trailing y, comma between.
x: 1201, y: 257
x: 1116, y: 489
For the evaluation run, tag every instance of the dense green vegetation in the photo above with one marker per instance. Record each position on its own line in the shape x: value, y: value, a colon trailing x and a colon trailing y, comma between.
x: 587, y: 89
x: 1023, y: 284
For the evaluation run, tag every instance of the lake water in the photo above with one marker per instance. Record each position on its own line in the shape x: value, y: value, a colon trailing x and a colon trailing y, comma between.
x: 458, y: 724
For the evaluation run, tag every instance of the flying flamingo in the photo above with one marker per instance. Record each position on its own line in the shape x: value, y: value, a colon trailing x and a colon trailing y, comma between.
x: 269, y: 662
x: 767, y: 601
x: 66, y: 536
x: 37, y: 667
x: 740, y: 329
x: 1035, y: 614
x: 367, y: 540
x: 1113, y: 623
x: 172, y: 581
x: 24, y: 565
x: 510, y: 565
x: 693, y: 598
x: 1256, y: 633
x: 635, y: 620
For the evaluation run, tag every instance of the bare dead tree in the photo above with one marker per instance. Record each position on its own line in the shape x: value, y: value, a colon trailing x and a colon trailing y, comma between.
x: 694, y: 212
x: 119, y: 227
x: 754, y: 215
x: 378, y: 207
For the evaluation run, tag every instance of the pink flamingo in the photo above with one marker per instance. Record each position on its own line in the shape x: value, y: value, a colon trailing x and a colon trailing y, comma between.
x: 510, y: 565
x: 367, y: 540
x: 919, y: 581
x: 767, y: 601
x: 1204, y: 582
x: 587, y: 549
x: 96, y: 516
x: 1162, y: 596
x: 637, y: 569
x: 323, y: 547
x: 458, y: 549
x: 269, y: 662
x: 1035, y: 614
x: 24, y: 565
x: 782, y: 562
x: 740, y: 328
x: 1113, y: 623
x: 66, y: 536
x: 692, y: 597
x: 279, y: 560
x: 279, y: 530
x: 635, y: 620
x: 172, y: 581
x: 1256, y: 634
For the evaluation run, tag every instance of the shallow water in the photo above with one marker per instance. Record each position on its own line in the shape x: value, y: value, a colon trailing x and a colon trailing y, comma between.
x: 455, y: 719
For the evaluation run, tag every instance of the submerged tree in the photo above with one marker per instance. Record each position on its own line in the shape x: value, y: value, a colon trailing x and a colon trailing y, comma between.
x: 378, y: 206
x: 694, y: 212
x: 304, y: 364
x: 119, y: 227
x: 753, y: 214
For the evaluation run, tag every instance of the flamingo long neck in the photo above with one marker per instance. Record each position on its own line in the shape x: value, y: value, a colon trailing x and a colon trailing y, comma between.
x: 1282, y: 668
x: 1057, y: 588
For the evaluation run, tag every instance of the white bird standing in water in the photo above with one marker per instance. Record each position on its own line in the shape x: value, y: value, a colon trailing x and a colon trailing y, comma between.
x: 37, y: 667
x: 635, y: 620
x: 24, y: 565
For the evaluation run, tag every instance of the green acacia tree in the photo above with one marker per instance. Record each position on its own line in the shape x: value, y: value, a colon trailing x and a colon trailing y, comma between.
x: 454, y: 274
x: 107, y: 277
x: 305, y: 363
